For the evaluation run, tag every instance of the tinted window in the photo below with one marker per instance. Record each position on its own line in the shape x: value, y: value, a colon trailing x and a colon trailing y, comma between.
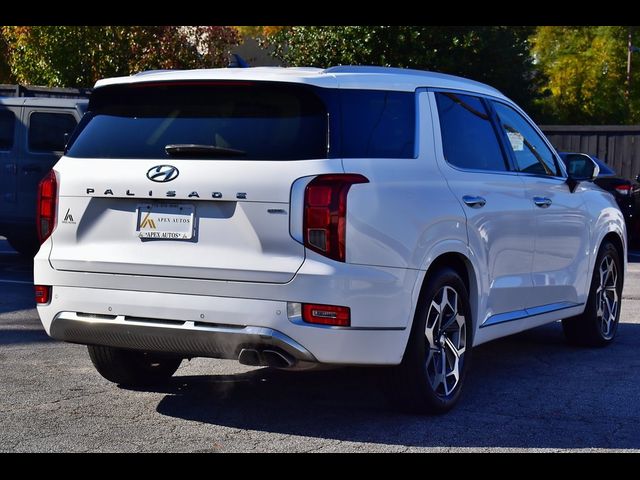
x: 263, y: 122
x: 7, y: 127
x: 468, y: 138
x: 378, y: 124
x: 531, y: 152
x: 47, y: 130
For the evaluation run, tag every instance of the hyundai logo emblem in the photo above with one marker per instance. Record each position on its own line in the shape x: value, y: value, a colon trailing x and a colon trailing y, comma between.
x: 162, y: 173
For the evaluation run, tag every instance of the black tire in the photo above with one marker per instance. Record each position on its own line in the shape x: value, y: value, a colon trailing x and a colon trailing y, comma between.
x: 26, y: 246
x: 132, y: 368
x: 411, y: 384
x: 592, y: 329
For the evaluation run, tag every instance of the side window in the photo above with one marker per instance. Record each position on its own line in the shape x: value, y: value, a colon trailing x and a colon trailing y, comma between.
x: 7, y: 128
x: 468, y: 138
x: 531, y: 153
x: 46, y: 131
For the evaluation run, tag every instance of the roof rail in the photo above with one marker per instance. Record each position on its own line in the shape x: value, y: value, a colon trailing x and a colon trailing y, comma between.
x: 372, y: 69
x: 43, y: 92
x: 147, y: 72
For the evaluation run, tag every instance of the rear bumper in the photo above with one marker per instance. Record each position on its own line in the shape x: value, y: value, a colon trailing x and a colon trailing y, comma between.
x: 182, y: 338
x: 217, y: 319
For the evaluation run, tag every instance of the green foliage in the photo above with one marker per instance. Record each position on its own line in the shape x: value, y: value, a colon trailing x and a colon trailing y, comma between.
x: 495, y: 55
x: 77, y: 56
x: 5, y: 70
x: 585, y: 68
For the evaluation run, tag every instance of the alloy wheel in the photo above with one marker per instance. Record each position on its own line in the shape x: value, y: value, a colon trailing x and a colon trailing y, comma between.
x: 607, y: 299
x: 446, y: 337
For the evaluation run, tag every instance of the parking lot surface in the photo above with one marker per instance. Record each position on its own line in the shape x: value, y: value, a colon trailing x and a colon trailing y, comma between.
x: 528, y: 392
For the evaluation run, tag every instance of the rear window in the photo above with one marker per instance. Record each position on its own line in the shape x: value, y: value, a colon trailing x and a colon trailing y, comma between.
x: 7, y: 126
x: 47, y: 131
x: 264, y: 122
x: 252, y: 120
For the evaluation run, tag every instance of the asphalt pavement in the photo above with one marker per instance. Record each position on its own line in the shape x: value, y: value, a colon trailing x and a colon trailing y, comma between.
x: 528, y: 392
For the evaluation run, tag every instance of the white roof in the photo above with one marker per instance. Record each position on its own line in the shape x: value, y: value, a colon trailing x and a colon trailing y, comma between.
x: 372, y: 78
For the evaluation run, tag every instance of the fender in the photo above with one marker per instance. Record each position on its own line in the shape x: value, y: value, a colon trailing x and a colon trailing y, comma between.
x: 477, y: 285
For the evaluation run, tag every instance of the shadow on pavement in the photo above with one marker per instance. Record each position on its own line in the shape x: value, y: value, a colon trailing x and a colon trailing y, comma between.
x: 14, y: 336
x: 530, y: 390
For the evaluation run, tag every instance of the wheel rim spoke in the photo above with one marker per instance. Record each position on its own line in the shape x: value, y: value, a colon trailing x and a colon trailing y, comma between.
x: 445, y: 335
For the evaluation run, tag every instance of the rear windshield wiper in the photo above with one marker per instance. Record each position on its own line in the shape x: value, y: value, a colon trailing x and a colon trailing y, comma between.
x: 190, y: 149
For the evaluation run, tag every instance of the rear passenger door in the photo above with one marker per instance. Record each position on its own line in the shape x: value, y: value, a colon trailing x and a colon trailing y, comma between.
x: 43, y: 146
x: 500, y: 217
x: 9, y: 121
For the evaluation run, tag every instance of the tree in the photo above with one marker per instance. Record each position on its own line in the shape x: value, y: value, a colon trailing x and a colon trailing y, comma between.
x: 5, y: 71
x: 498, y: 55
x: 585, y: 70
x: 77, y: 56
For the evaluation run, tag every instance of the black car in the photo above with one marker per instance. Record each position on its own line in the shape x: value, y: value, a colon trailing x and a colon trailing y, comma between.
x: 626, y: 192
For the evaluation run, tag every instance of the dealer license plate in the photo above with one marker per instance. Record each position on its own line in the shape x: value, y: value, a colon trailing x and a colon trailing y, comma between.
x: 165, y: 221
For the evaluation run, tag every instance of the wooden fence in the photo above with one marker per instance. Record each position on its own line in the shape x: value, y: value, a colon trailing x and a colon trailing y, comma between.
x: 618, y: 146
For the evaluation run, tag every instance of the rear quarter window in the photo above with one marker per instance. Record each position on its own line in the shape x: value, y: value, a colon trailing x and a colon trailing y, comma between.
x: 378, y: 124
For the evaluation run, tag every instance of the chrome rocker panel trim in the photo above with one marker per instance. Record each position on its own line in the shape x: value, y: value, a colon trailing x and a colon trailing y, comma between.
x: 527, y: 313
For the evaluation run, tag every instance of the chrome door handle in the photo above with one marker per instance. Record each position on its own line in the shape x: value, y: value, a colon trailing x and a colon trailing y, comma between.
x: 474, y: 201
x: 542, y: 202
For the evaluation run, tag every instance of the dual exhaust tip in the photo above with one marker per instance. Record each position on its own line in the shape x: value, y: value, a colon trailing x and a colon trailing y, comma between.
x: 265, y: 358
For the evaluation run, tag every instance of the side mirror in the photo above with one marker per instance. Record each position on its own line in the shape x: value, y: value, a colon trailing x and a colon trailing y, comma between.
x: 580, y: 168
x: 638, y: 178
x: 596, y: 170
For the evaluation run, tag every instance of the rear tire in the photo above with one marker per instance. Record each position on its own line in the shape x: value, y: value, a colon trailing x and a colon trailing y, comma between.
x: 132, y: 368
x: 598, y: 324
x: 438, y: 355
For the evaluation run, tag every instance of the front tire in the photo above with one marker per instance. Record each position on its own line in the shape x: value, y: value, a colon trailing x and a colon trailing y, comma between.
x: 598, y: 324
x: 132, y: 368
x: 438, y: 355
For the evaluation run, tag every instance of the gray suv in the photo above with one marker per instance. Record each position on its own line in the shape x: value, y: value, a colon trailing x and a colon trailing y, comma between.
x: 32, y: 138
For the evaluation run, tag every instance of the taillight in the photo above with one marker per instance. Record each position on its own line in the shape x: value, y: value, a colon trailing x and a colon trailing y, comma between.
x: 43, y: 294
x: 623, y: 189
x: 47, y: 204
x: 326, y: 314
x: 325, y: 213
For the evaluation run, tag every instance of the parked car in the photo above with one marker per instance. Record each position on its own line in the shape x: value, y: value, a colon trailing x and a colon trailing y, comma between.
x: 626, y: 192
x: 32, y: 139
x: 290, y: 217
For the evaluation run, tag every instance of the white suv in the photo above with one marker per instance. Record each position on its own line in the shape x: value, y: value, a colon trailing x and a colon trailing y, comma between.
x: 294, y: 216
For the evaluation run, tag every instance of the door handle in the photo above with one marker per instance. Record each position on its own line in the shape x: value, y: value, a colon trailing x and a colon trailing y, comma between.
x: 32, y: 168
x: 474, y: 201
x: 542, y: 202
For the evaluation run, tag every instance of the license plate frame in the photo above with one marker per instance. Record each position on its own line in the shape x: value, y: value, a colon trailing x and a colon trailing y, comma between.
x: 165, y: 221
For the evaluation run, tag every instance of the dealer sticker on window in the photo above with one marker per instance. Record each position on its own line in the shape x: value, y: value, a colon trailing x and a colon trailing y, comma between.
x: 165, y: 221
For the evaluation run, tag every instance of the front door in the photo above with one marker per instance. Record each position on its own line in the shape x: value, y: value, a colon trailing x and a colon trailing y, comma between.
x: 561, y: 259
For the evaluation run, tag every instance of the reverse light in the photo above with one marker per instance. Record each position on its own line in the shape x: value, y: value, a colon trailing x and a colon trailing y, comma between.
x: 46, y: 206
x: 623, y: 189
x: 326, y: 314
x: 43, y: 294
x: 325, y: 212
